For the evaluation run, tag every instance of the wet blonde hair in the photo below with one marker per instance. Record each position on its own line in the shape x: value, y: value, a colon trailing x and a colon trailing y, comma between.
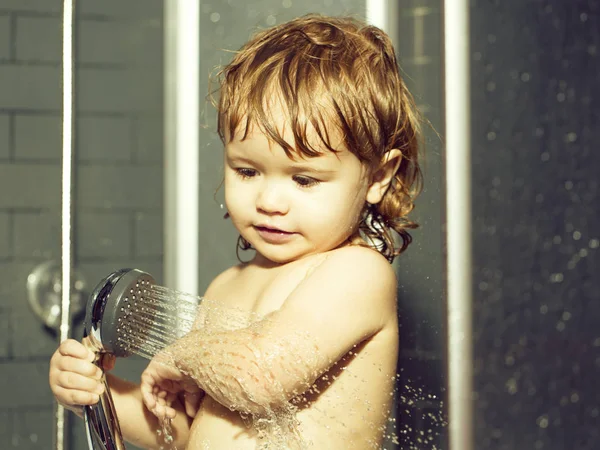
x: 334, y: 77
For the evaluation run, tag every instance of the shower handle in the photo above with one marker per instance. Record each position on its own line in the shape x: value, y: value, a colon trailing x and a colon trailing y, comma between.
x: 101, y: 425
x: 112, y: 302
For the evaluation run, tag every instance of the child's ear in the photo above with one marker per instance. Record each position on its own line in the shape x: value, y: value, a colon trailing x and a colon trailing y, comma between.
x: 383, y: 175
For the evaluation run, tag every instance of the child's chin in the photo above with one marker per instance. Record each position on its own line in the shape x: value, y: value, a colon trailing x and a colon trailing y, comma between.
x: 280, y: 256
x: 277, y: 259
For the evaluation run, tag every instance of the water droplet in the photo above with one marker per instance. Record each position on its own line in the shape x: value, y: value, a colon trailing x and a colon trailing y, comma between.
x: 556, y: 278
x: 571, y: 137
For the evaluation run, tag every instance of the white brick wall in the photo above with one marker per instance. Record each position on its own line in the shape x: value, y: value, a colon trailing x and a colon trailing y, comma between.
x: 148, y: 229
x: 149, y: 140
x: 104, y: 138
x: 4, y: 137
x: 30, y: 87
x: 38, y: 138
x: 29, y: 186
x: 119, y: 90
x: 36, y: 6
x: 109, y: 187
x: 104, y: 235
x: 28, y: 391
x: 4, y: 37
x: 118, y: 8
x: 36, y: 234
x: 5, y: 244
x: 39, y: 39
x: 102, y: 42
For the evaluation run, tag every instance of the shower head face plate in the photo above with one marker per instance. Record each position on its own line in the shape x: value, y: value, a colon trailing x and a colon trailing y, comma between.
x: 116, y: 298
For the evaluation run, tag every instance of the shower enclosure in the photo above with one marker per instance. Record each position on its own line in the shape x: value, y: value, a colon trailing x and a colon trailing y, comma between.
x: 115, y: 192
x: 134, y: 185
x: 143, y: 182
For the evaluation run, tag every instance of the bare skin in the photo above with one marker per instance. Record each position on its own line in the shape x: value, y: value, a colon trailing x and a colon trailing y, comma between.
x: 352, y: 400
x: 349, y: 402
x: 349, y: 408
x: 342, y: 297
x: 311, y: 282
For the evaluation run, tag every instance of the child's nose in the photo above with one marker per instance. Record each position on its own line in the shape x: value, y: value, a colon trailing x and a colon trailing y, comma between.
x: 271, y: 199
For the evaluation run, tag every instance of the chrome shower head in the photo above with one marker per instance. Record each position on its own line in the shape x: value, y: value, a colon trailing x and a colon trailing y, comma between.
x: 111, y: 304
x: 109, y: 308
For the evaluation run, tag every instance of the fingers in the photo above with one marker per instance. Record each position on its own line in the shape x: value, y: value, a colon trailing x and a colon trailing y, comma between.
x: 192, y: 402
x: 151, y: 378
x: 71, y: 347
x: 78, y: 366
x: 159, y: 403
x: 148, y: 396
x: 158, y: 394
x: 72, y: 389
x: 74, y: 379
x: 162, y: 411
x: 70, y: 397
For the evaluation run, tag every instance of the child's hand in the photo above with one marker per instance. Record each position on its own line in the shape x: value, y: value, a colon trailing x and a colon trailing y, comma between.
x: 74, y: 379
x: 163, y: 383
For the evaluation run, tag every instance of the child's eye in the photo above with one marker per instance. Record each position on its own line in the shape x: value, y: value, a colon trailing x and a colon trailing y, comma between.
x: 305, y: 181
x: 245, y: 173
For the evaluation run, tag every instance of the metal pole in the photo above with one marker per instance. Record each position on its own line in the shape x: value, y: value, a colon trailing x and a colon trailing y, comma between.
x: 181, y: 118
x: 458, y: 223
x: 67, y: 169
x: 384, y: 14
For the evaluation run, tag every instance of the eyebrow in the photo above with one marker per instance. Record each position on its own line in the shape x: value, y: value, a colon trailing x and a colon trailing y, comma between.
x: 294, y: 167
x: 308, y: 168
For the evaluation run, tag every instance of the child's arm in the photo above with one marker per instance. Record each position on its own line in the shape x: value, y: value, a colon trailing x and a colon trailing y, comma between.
x: 138, y: 424
x: 347, y: 299
x: 75, y: 381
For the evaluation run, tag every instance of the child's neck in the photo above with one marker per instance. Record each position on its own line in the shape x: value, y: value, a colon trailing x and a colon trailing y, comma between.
x: 264, y: 263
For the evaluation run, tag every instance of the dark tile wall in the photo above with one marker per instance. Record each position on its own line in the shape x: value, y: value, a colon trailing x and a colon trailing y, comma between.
x: 117, y: 176
x: 422, y: 365
x: 536, y: 110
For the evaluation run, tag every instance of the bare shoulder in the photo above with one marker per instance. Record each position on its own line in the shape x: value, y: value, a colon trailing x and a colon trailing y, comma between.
x: 352, y: 274
x: 362, y: 258
x: 221, y: 280
x: 348, y: 296
x: 360, y: 266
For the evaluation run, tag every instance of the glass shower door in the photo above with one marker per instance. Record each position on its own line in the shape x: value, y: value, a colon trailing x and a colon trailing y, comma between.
x: 117, y: 190
x: 118, y: 167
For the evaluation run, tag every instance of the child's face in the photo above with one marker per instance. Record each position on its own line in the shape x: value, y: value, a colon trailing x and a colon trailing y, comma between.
x: 290, y: 209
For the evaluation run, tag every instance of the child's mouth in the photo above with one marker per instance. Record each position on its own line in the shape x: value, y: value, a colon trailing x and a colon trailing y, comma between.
x: 273, y: 235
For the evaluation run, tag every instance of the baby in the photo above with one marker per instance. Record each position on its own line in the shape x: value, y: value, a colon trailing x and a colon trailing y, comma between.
x: 321, y: 169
